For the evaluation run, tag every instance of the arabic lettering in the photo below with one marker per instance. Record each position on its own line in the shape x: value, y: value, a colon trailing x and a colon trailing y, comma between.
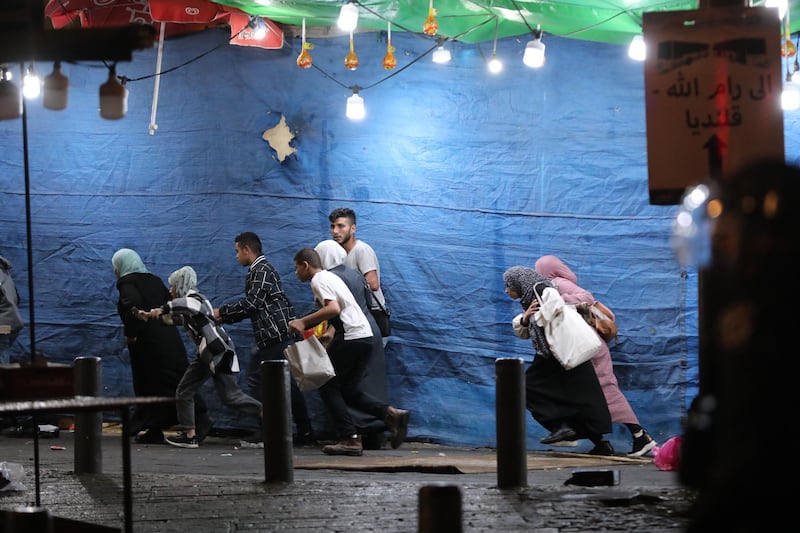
x: 683, y: 88
x: 690, y: 88
x: 719, y: 118
x: 764, y: 88
x: 734, y: 90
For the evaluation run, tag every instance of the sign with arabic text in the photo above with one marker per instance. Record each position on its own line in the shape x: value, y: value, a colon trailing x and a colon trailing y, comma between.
x: 712, y: 93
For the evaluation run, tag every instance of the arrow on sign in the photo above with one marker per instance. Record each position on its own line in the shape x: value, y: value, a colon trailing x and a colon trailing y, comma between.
x: 715, y: 146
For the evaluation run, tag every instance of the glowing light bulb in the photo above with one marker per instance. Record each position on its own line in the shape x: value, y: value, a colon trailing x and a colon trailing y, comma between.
x: 348, y: 17
x: 355, y: 107
x: 31, y: 84
x: 495, y: 65
x: 637, y: 49
x: 534, y: 53
x: 790, y: 99
x: 441, y: 55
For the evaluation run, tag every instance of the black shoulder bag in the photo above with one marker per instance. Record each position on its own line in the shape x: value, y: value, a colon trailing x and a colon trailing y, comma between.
x: 382, y: 315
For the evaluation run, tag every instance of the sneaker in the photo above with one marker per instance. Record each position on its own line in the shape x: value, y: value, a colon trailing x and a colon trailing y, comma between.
x: 602, y: 448
x: 350, y: 446
x: 642, y: 445
x: 182, y: 440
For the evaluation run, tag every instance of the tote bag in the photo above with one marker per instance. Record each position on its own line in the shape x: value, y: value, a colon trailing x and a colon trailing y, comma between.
x: 309, y: 363
x: 571, y: 339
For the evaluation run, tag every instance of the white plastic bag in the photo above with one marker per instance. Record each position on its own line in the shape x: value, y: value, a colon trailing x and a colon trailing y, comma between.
x: 11, y: 476
x: 571, y: 339
x: 309, y: 363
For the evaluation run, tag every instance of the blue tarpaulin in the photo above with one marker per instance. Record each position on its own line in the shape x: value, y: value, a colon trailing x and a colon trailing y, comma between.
x: 455, y: 175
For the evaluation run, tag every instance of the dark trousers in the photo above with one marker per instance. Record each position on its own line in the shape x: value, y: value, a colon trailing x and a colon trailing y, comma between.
x: 349, y: 360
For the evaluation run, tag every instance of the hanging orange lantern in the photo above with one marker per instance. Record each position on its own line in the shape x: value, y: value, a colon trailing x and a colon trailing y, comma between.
x: 788, y: 49
x: 389, y: 61
x: 304, y: 59
x: 351, y: 60
x: 430, y: 27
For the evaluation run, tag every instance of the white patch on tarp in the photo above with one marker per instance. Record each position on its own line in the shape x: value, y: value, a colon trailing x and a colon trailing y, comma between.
x: 279, y: 138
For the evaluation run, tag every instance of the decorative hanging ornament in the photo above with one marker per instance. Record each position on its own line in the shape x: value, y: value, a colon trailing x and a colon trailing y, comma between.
x: 788, y: 48
x: 304, y: 59
x: 430, y: 27
x: 351, y: 60
x: 389, y: 61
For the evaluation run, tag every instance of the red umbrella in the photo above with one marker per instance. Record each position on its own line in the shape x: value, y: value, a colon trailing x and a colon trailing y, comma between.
x: 180, y: 17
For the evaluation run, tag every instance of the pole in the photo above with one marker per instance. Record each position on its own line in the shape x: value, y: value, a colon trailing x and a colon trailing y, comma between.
x: 88, y: 425
x: 31, y: 321
x: 512, y: 455
x: 439, y: 509
x: 277, y: 421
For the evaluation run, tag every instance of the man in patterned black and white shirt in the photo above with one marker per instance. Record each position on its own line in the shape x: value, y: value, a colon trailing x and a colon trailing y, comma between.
x: 268, y: 308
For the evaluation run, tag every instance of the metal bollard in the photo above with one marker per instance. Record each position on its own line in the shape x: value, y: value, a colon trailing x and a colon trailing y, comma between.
x: 27, y: 519
x: 512, y: 455
x: 88, y: 425
x: 277, y: 422
x: 439, y: 508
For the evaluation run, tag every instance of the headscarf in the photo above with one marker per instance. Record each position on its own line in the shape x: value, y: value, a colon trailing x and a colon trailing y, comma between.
x: 522, y: 281
x: 183, y: 280
x: 563, y: 279
x: 331, y: 253
x: 126, y: 261
x: 551, y: 267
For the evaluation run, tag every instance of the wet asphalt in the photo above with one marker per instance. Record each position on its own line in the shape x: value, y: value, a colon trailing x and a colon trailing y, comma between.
x: 223, y: 487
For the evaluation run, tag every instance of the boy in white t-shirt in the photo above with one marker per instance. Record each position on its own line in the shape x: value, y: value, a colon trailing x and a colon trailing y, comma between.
x: 349, y: 341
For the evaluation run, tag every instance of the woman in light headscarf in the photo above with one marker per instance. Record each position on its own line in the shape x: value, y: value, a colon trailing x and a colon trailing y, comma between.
x: 568, y: 403
x: 621, y: 411
x: 216, y: 355
x: 157, y: 353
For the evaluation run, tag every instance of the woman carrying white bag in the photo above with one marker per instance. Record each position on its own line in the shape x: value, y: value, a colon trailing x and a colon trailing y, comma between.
x: 568, y: 403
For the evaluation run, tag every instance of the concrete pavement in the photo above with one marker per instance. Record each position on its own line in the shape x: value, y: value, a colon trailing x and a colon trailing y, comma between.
x: 220, y: 487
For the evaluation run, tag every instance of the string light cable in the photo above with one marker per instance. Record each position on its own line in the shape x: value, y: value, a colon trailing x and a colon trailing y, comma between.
x: 396, y: 71
x: 492, y: 18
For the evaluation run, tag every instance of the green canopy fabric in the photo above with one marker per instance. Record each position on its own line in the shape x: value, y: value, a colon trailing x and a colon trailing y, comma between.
x: 471, y: 21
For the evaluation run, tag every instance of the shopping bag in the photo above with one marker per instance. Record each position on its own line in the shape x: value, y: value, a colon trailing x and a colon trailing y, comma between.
x: 571, y: 339
x: 309, y: 363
